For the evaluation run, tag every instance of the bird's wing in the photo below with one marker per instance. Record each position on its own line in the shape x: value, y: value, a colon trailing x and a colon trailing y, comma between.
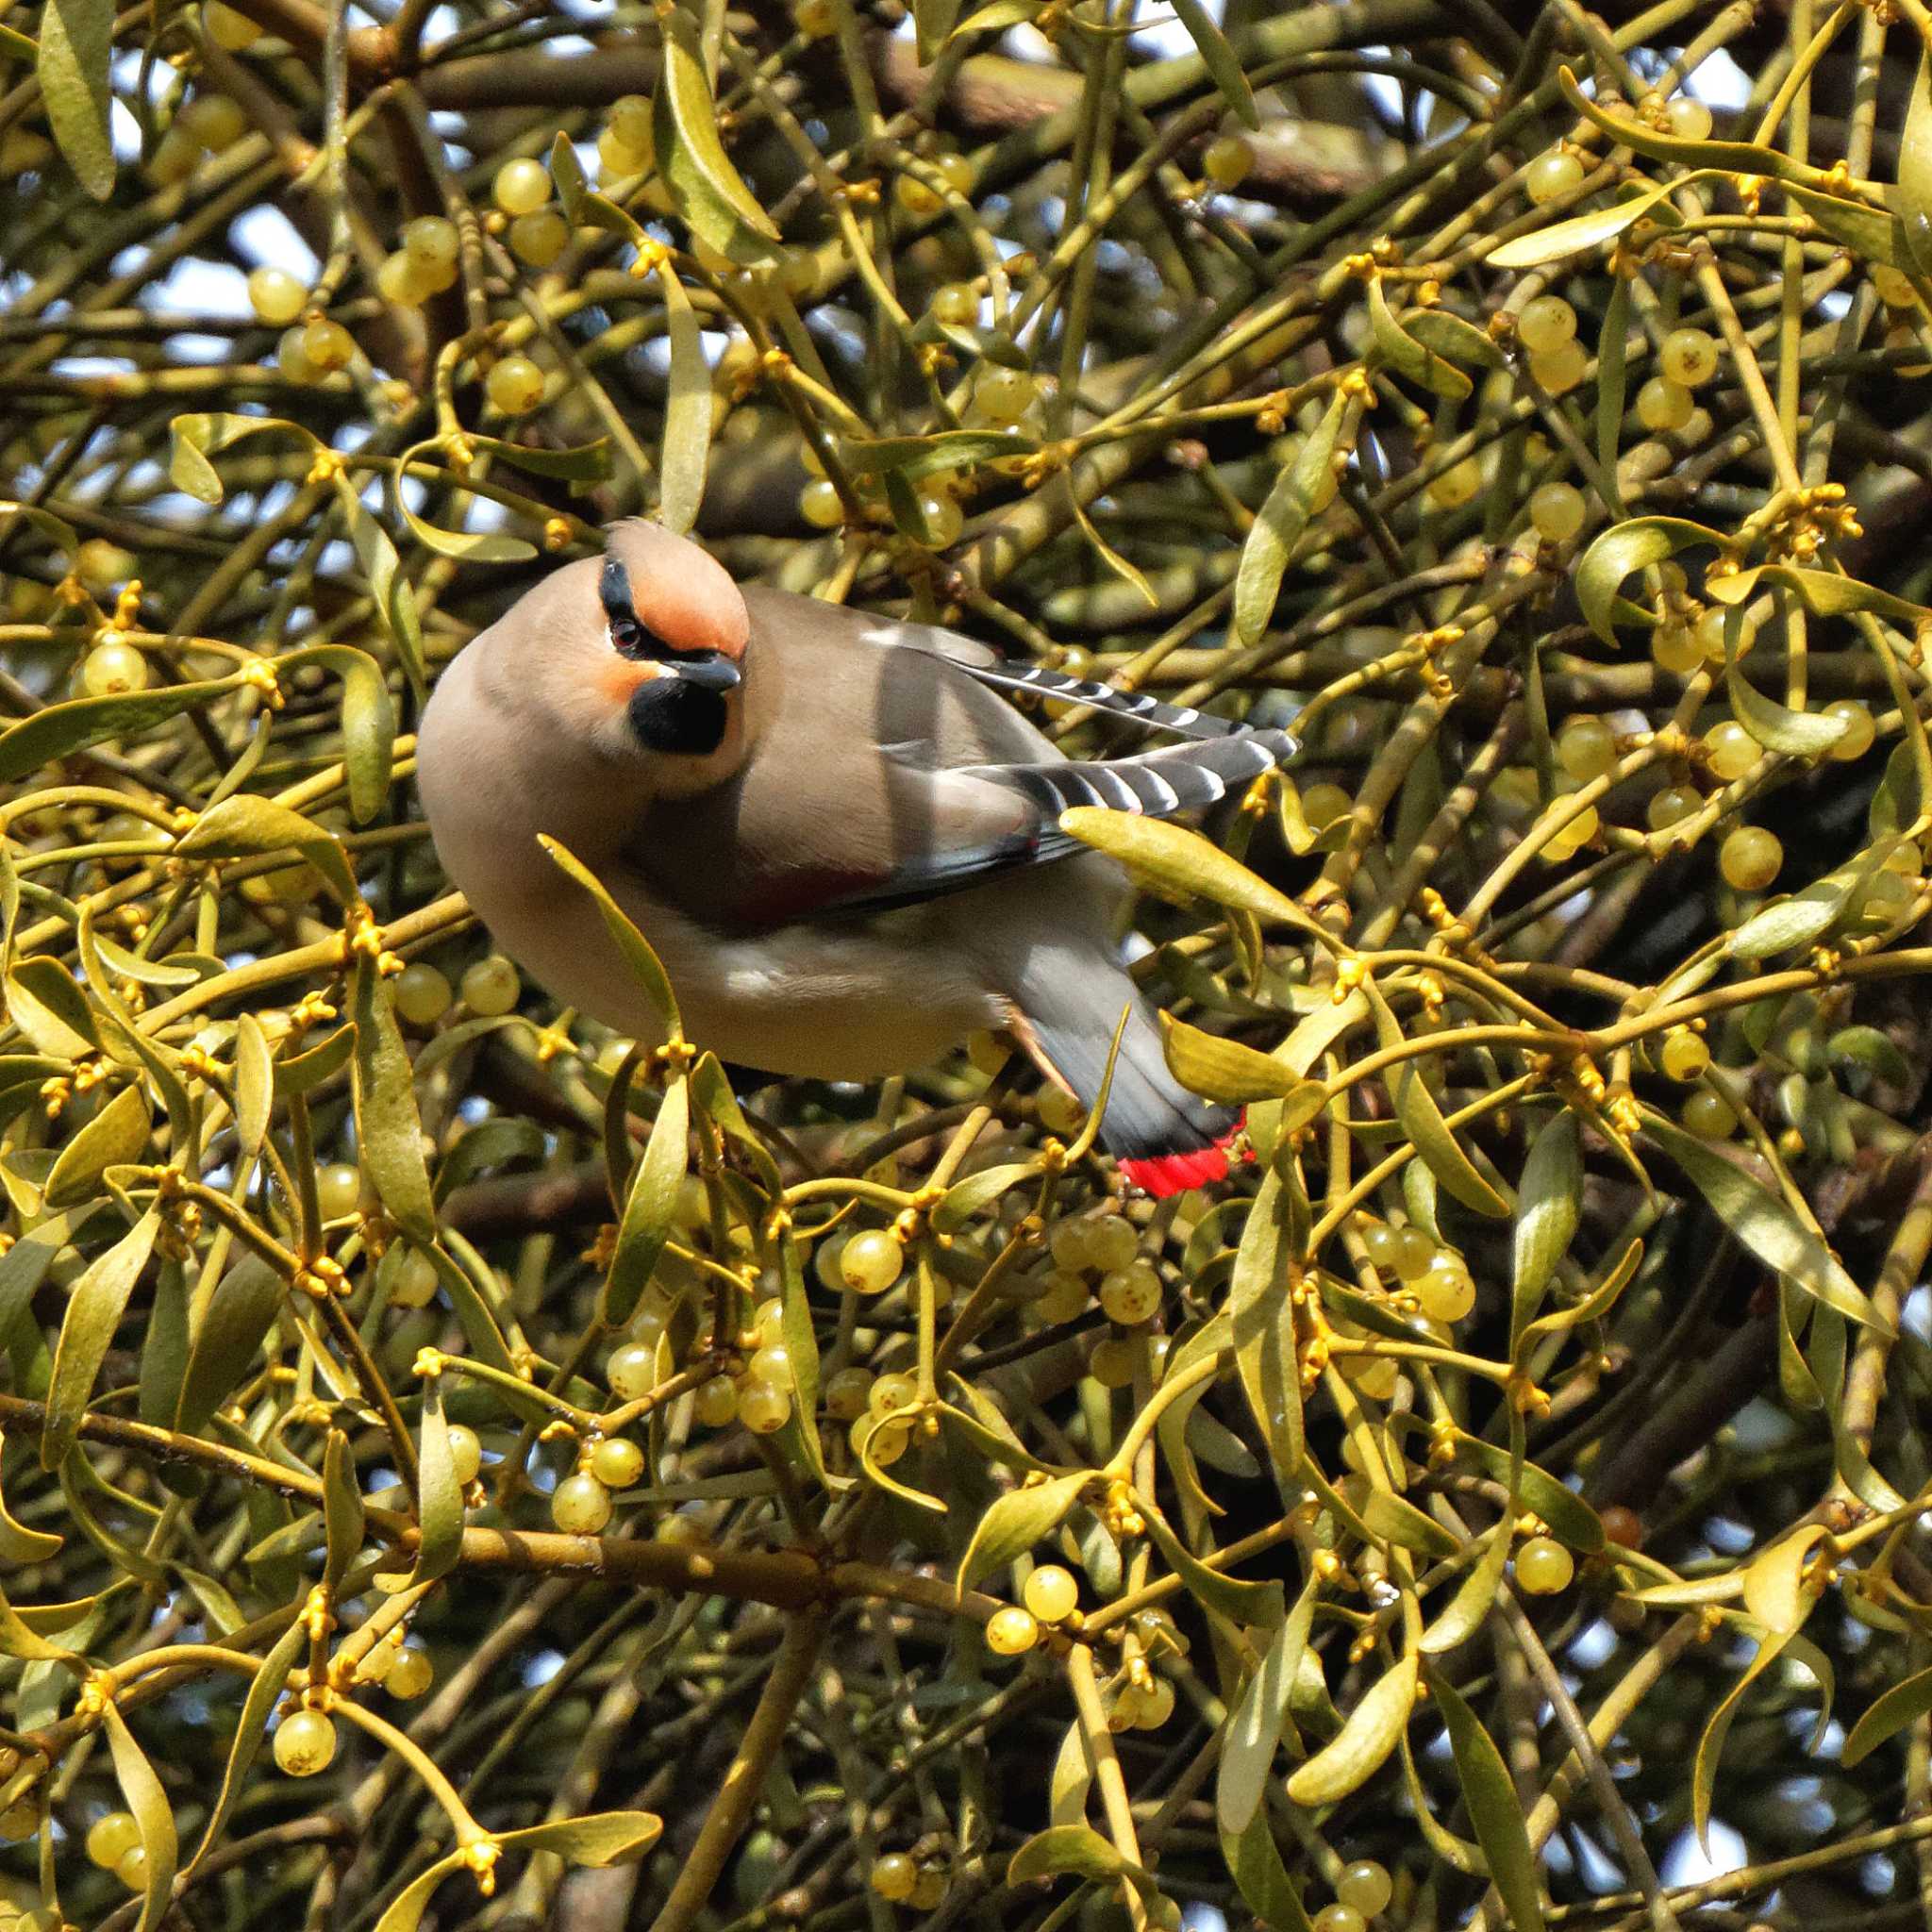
x: 994, y: 819
x: 985, y: 666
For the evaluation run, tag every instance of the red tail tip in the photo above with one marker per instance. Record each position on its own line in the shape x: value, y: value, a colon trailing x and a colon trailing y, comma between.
x: 1161, y: 1174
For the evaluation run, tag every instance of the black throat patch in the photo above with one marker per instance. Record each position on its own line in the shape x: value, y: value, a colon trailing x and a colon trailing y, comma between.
x: 670, y: 714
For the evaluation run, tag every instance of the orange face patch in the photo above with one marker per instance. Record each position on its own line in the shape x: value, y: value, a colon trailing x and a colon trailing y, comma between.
x: 620, y: 676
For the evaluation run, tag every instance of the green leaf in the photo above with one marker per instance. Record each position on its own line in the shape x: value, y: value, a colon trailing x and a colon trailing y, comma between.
x: 1781, y: 1584
x: 255, y: 1086
x: 117, y: 1135
x: 643, y: 963
x: 76, y: 48
x: 600, y: 1839
x: 461, y: 547
x: 265, y: 1690
x: 1254, y: 1862
x: 1015, y: 1522
x: 1463, y: 1615
x: 650, y: 1206
x: 917, y: 457
x: 1914, y: 198
x: 1280, y: 523
x: 1764, y: 1223
x: 19, y: 1545
x: 1262, y: 1330
x: 1445, y: 333
x: 389, y: 1130
x: 57, y: 730
x: 46, y: 1002
x: 1904, y: 1703
x: 1255, y: 1727
x: 94, y: 1312
x: 344, y: 1516
x: 247, y: 825
x: 438, y: 1495
x: 1421, y: 1120
x: 1244, y: 1601
x: 1612, y: 382
x: 142, y: 1792
x: 1591, y: 230
x: 687, y: 412
x: 710, y: 195
x: 1549, y: 1203
x: 1822, y: 592
x: 405, y: 1913
x: 932, y: 26
x: 233, y: 1326
x: 1490, y: 1795
x: 1619, y: 551
x: 584, y: 462
x: 395, y: 603
x: 1077, y: 1849
x: 1408, y: 357
x: 1221, y: 60
x: 1182, y: 862
x: 1393, y: 1519
x: 1806, y: 916
x: 1798, y: 734
x: 193, y: 439
x: 1225, y: 1069
x: 1358, y: 1750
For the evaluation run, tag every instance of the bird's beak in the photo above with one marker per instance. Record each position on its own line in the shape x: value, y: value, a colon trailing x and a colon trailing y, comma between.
x: 712, y: 672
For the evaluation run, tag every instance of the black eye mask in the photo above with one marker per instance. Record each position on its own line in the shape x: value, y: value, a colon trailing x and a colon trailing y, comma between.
x: 630, y: 637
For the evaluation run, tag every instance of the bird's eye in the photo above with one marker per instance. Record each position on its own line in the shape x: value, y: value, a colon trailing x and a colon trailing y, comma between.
x: 628, y: 637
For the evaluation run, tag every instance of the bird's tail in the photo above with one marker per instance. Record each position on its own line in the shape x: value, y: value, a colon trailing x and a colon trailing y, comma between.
x: 1165, y: 1138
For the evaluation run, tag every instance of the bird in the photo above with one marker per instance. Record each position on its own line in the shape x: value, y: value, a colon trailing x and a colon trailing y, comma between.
x: 838, y: 833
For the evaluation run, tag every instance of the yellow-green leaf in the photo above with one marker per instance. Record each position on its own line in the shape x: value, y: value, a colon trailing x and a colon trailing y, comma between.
x: 1280, y: 523
x: 1914, y: 198
x: 1015, y: 1522
x: 76, y: 47
x: 55, y: 730
x: 142, y: 1790
x: 1549, y: 1204
x: 643, y: 963
x: 1490, y: 1795
x: 1421, y: 1120
x: 388, y: 1129
x: 1782, y: 1584
x: 1591, y: 230
x: 233, y: 1326
x: 1888, y: 1715
x: 1221, y: 60
x: 248, y: 825
x: 94, y: 1312
x: 1263, y: 1328
x: 1619, y: 551
x: 116, y: 1135
x: 1358, y: 1750
x: 1408, y: 357
x: 600, y: 1839
x: 651, y: 1205
x: 1225, y: 1069
x: 710, y: 195
x: 687, y: 412
x: 1255, y: 1727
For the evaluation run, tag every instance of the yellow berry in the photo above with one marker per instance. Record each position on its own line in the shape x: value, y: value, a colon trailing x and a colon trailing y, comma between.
x: 763, y: 1407
x: 465, y: 1453
x: 521, y: 187
x: 538, y: 239
x: 1544, y: 324
x: 19, y: 1822
x: 1364, y: 1885
x: 1131, y: 1295
x: 820, y: 503
x: 956, y: 304
x: 1688, y: 355
x: 1415, y: 1253
x: 632, y: 1371
x: 1893, y: 287
x: 814, y: 18
x: 1445, y: 1292
x: 1065, y: 1297
x: 1684, y: 1055
x: 1011, y: 1631
x: 327, y: 346
x: 228, y: 29
x: 491, y: 986
x: 1544, y: 1566
x: 1050, y: 1592
x: 1731, y: 749
x: 1338, y: 1918
x: 915, y: 197
x: 1459, y: 484
x: 1111, y: 1242
x: 1663, y: 405
x: 515, y: 385
x: 1675, y: 648
x: 1689, y: 119
x: 110, y: 1838
x: 1855, y: 739
x: 422, y: 994
x: 1557, y: 512
x: 630, y: 119
x: 131, y: 1868
x: 956, y: 171
x: 581, y: 1506
x: 338, y: 1189
x: 410, y: 1675
x: 1751, y: 858
x: 431, y: 239
x: 113, y: 671
x: 1587, y: 748
x: 305, y: 1743
x: 1708, y: 1115
x: 1061, y: 1113
x: 890, y: 1393
x: 893, y: 1876
x: 1111, y: 1361
x: 1552, y: 175
x: 413, y: 1285
x: 1561, y: 369
x: 1001, y: 394
x: 929, y: 1893
x: 942, y: 517
x: 617, y: 1462
x: 848, y: 1394
x: 215, y: 121
x: 871, y: 1261
x: 103, y: 565
x: 1227, y: 163
x: 717, y: 1402
x: 291, y: 357
x: 401, y: 279
x: 176, y: 157
x: 885, y: 1441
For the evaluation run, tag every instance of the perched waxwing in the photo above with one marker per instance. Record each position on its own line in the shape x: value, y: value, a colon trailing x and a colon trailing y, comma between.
x: 842, y: 842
